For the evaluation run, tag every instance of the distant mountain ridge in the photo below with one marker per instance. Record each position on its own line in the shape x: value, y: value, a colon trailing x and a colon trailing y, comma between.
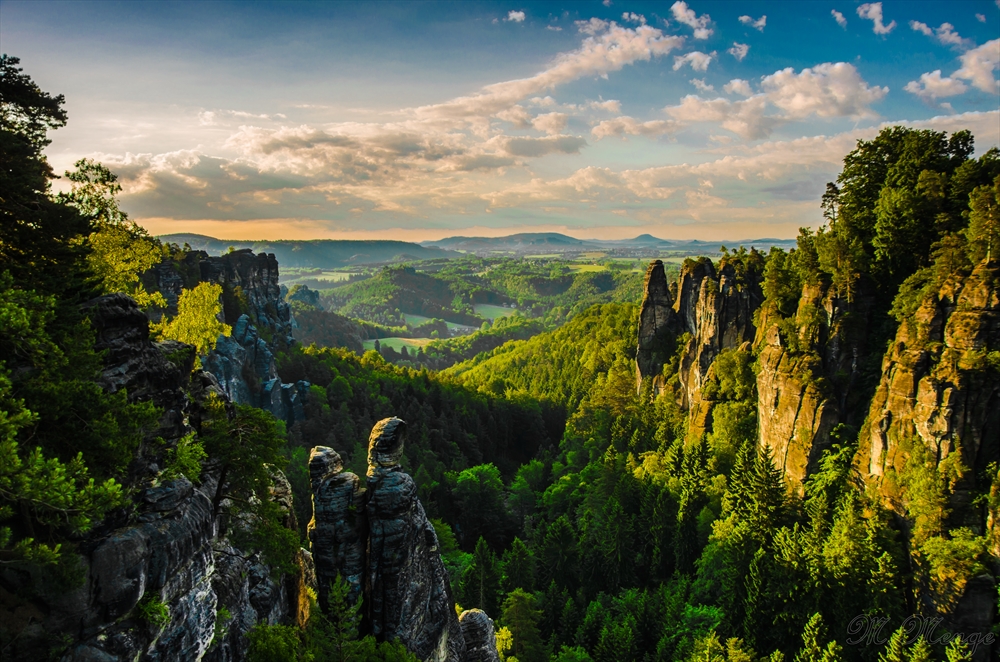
x: 554, y: 242
x: 317, y: 253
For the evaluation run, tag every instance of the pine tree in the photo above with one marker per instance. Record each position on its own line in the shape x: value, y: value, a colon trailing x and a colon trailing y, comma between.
x: 521, y: 616
x: 920, y: 651
x: 481, y: 583
x: 895, y: 650
x: 958, y: 650
x: 519, y: 567
x: 812, y: 637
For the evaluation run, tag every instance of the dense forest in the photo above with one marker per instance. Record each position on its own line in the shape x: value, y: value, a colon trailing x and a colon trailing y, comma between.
x: 592, y: 514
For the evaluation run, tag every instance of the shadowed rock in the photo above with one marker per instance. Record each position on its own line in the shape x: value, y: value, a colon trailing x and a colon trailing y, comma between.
x: 656, y: 325
x: 407, y: 595
x: 480, y: 639
x: 335, y: 532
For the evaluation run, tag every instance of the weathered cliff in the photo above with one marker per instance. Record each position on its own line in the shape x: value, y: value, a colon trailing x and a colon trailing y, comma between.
x: 714, y: 310
x: 261, y: 321
x: 379, y: 539
x: 156, y: 574
x: 940, y: 383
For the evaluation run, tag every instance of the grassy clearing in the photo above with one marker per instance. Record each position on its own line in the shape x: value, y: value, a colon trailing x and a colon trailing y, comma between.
x: 398, y: 343
x: 491, y: 312
x: 545, y: 256
x: 417, y: 320
x: 585, y: 268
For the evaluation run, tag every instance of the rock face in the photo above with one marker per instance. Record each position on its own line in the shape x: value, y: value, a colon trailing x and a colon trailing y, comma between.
x: 336, y: 532
x: 937, y: 387
x: 810, y: 369
x: 715, y: 308
x: 657, y: 326
x: 261, y: 321
x: 165, y: 550
x: 480, y: 639
x: 409, y: 597
x: 379, y: 539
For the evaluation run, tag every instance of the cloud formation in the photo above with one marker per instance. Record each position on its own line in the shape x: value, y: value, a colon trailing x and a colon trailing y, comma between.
x: 944, y: 34
x: 979, y: 64
x: 758, y: 24
x: 837, y: 16
x: 739, y: 51
x: 932, y: 86
x: 515, y: 16
x: 608, y: 47
x: 702, y: 85
x: 625, y: 125
x: 873, y: 12
x: 684, y: 14
x: 738, y: 86
x: 699, y: 61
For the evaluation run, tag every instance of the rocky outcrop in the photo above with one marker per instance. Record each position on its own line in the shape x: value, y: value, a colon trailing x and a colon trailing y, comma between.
x: 261, y: 321
x: 379, y: 538
x: 809, y: 377
x: 409, y: 597
x: 336, y: 532
x: 657, y: 327
x: 480, y: 638
x: 939, y: 386
x: 155, y: 575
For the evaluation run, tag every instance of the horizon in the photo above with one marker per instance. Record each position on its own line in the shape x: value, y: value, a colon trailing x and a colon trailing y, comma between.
x: 604, y: 120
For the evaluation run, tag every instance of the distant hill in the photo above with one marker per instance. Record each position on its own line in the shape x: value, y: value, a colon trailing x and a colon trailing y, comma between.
x: 553, y: 242
x: 318, y: 253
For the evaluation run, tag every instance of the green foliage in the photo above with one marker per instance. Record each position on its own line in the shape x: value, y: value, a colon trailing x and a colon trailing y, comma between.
x: 246, y: 444
x: 120, y: 250
x: 152, y: 611
x: 185, y: 459
x: 984, y: 222
x: 481, y: 582
x: 521, y: 617
x: 197, y: 321
x: 274, y: 643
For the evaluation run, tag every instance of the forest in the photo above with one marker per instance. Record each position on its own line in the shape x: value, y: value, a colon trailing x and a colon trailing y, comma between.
x: 591, y: 515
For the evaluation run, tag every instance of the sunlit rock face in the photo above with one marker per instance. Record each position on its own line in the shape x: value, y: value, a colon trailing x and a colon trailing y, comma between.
x: 379, y: 539
x: 937, y: 388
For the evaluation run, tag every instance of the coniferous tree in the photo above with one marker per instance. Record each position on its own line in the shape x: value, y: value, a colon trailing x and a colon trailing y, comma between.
x: 481, y: 583
x: 521, y: 616
x: 518, y: 567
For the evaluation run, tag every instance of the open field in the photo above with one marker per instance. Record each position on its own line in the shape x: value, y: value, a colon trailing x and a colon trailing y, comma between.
x: 398, y: 343
x: 417, y: 320
x: 492, y: 312
x: 585, y: 268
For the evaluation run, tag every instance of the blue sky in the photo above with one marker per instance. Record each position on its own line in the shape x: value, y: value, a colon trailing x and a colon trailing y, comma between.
x: 711, y: 120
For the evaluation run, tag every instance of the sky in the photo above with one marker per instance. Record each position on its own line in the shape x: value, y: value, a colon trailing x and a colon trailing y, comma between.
x: 421, y: 120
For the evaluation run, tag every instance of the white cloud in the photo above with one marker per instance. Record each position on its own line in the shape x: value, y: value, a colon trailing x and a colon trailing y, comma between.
x: 683, y: 14
x: 739, y: 51
x: 738, y: 86
x: 873, y: 12
x: 611, y: 105
x: 620, y: 126
x: 932, y: 86
x: 758, y: 24
x: 535, y: 147
x: 607, y: 3
x: 981, y: 18
x: 744, y: 118
x: 702, y: 85
x: 699, y: 61
x: 554, y: 28
x: 515, y: 16
x: 516, y: 115
x: 609, y: 47
x: 837, y: 16
x: 944, y: 34
x: 826, y: 90
x: 551, y: 123
x: 632, y: 17
x: 979, y: 64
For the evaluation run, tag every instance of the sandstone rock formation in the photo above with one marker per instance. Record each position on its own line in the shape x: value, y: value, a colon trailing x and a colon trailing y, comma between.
x: 166, y: 549
x: 480, y: 638
x: 409, y: 597
x: 380, y: 540
x: 656, y: 326
x: 336, y: 532
x: 937, y: 386
x: 253, y: 305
